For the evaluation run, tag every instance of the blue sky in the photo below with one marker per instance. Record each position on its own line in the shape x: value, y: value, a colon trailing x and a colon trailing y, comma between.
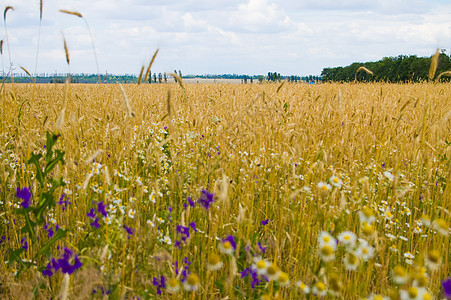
x: 214, y: 37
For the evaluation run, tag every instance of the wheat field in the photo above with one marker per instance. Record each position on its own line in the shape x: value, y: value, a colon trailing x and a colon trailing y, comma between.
x: 225, y: 191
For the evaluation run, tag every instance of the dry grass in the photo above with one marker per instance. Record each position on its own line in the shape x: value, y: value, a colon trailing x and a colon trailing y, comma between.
x: 262, y: 149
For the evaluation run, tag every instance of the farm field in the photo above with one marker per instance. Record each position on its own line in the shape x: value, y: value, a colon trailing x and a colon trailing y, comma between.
x: 225, y: 191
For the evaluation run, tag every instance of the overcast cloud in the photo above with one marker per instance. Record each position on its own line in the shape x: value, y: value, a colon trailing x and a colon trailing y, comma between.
x: 215, y: 37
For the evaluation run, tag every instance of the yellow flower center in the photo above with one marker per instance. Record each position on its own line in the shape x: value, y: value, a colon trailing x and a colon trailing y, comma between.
x: 192, y: 279
x: 272, y: 269
x: 399, y: 271
x: 347, y: 237
x: 173, y: 282
x: 327, y: 250
x: 283, y: 277
x: 320, y: 286
x: 413, y: 292
x: 213, y: 259
x: 261, y: 264
x: 326, y: 239
x: 367, y: 212
x: 352, y: 259
x: 227, y: 245
x: 335, y: 180
x: 434, y: 256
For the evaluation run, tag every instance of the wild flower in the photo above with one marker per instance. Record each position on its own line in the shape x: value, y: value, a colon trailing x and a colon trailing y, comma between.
x: 364, y: 250
x: 433, y: 260
x: 206, y: 199
x: 227, y: 245
x: 252, y: 272
x: 446, y: 286
x: 191, y: 283
x: 261, y: 265
x: 335, y: 181
x: 173, y: 285
x: 399, y: 275
x: 303, y: 287
x: 366, y: 215
x: 347, y: 238
x: 25, y: 195
x: 441, y: 226
x: 214, y: 262
x: 131, y: 213
x: 319, y: 289
x: 389, y: 175
x: 130, y: 231
x: 24, y: 243
x: 159, y: 284
x: 324, y: 187
x: 326, y: 239
x: 283, y: 279
x: 351, y: 261
x: 68, y: 263
x: 335, y: 285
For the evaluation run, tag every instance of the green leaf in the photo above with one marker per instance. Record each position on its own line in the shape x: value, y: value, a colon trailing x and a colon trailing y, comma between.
x: 51, y: 164
x: 14, y: 256
x: 34, y: 159
x: 45, y: 249
x: 51, y: 141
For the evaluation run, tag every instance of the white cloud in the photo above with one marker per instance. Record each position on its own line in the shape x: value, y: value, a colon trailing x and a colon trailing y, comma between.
x: 235, y: 36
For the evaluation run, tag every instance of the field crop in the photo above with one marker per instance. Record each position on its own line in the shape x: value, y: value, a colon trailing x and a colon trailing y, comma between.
x: 224, y: 191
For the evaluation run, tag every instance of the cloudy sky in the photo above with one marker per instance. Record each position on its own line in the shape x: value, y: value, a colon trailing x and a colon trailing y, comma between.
x: 222, y: 36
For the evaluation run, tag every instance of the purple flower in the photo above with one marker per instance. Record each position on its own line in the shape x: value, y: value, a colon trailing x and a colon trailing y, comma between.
x: 183, y: 231
x: 262, y: 249
x: 253, y: 273
x: 206, y: 199
x: 130, y: 231
x: 24, y: 243
x: 231, y: 240
x: 2, y: 239
x: 446, y: 285
x: 190, y: 202
x: 178, y: 244
x: 193, y: 226
x: 68, y: 263
x: 63, y: 202
x: 265, y: 222
x: 91, y: 214
x: 95, y: 223
x: 159, y: 284
x: 25, y: 195
x: 101, y: 208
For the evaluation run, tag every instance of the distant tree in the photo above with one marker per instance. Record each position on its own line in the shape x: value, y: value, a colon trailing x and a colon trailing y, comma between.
x: 180, y: 73
x: 160, y: 77
x: 150, y: 77
x: 165, y: 77
x: 155, y: 77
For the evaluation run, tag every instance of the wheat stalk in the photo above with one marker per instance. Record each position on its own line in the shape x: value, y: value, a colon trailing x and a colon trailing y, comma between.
x: 26, y: 71
x: 140, y: 75
x: 178, y: 78
x: 66, y: 50
x: 130, y: 113
x: 150, y: 65
x: 362, y: 68
x: 446, y: 73
x: 69, y: 12
x: 434, y: 63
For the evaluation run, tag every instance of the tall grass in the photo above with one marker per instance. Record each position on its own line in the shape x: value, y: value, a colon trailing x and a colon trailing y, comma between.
x: 285, y: 163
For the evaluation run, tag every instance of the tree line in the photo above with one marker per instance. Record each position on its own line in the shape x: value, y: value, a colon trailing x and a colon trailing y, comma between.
x: 402, y: 68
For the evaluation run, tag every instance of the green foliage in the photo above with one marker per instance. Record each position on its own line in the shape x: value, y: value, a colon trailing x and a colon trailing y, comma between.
x: 35, y: 215
x: 389, y: 69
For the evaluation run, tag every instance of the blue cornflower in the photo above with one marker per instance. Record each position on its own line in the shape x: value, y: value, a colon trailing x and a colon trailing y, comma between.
x: 253, y: 273
x: 446, y: 285
x: 101, y: 208
x: 91, y: 214
x: 206, y: 199
x: 159, y: 284
x: 64, y: 203
x: 193, y: 226
x: 68, y: 263
x: 25, y: 195
x: 2, y: 239
x: 265, y: 222
x: 24, y: 243
x: 95, y: 223
x: 130, y: 231
x: 183, y: 231
x: 262, y: 249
